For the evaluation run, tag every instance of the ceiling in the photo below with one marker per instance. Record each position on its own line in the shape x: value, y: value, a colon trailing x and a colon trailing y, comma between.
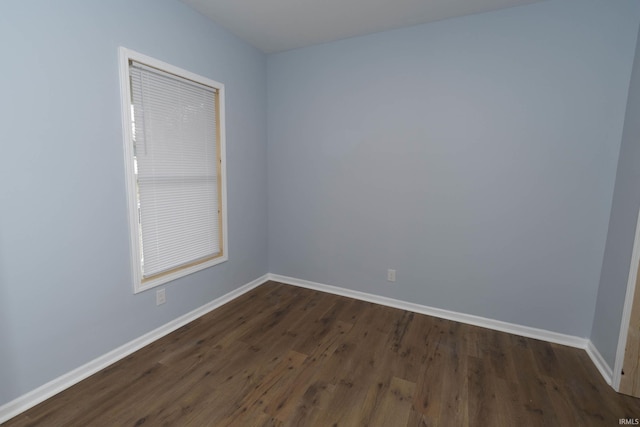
x: 279, y: 25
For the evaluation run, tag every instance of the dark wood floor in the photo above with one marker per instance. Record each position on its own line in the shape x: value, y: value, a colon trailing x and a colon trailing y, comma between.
x: 282, y: 355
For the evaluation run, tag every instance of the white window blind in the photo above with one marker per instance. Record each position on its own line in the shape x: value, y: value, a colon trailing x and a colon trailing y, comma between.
x: 177, y: 169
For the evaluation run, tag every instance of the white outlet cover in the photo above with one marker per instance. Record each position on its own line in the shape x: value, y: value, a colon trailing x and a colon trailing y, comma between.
x: 391, y: 275
x: 160, y: 297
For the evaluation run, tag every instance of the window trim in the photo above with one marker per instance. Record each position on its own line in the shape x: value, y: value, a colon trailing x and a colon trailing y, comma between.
x: 139, y: 282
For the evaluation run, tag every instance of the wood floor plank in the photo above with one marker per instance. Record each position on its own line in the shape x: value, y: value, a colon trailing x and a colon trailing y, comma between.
x: 454, y: 390
x: 262, y: 396
x: 395, y: 408
x: 428, y: 399
x: 286, y: 356
x: 313, y: 404
x: 311, y: 380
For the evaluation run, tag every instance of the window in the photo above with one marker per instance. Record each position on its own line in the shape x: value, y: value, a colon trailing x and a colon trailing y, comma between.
x: 174, y: 147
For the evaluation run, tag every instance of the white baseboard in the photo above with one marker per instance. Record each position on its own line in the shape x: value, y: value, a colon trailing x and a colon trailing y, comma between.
x: 512, y: 328
x: 601, y: 364
x: 26, y: 401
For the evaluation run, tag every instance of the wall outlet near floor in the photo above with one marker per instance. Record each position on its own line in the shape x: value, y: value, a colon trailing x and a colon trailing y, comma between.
x: 391, y: 275
x: 161, y: 298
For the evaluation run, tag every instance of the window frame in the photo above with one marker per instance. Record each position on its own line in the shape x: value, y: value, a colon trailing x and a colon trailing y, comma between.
x: 140, y: 283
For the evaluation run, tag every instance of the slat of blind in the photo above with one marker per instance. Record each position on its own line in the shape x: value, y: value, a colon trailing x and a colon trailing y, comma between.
x: 158, y: 72
x: 176, y: 154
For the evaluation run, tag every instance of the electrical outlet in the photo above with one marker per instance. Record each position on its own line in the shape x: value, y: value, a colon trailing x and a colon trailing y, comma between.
x: 161, y: 298
x: 391, y: 275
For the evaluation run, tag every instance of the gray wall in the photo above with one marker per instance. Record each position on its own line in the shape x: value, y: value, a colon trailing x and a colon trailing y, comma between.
x: 65, y: 283
x: 622, y: 225
x: 476, y: 156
